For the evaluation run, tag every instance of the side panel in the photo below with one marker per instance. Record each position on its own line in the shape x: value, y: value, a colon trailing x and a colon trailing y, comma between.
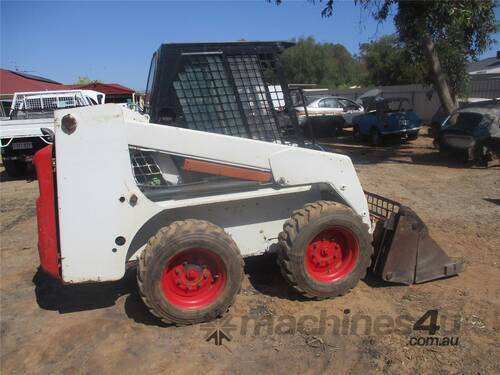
x: 289, y: 167
x: 253, y: 222
x: 104, y: 218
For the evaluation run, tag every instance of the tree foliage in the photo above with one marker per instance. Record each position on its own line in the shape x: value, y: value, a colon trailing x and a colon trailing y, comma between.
x: 388, y: 62
x: 443, y: 35
x: 84, y: 80
x: 325, y: 64
x: 460, y: 30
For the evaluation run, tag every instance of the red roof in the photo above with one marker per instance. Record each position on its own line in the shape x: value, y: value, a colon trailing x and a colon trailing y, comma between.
x: 105, y: 88
x: 10, y: 82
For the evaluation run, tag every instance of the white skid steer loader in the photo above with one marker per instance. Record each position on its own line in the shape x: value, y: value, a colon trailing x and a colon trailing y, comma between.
x: 188, y: 200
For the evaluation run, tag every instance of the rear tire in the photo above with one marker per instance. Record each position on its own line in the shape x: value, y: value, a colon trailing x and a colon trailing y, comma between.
x: 190, y: 272
x: 15, y: 168
x: 325, y: 249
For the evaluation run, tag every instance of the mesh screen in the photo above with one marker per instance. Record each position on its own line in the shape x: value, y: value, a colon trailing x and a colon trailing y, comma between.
x: 207, y: 97
x: 234, y: 95
x: 381, y: 208
x: 254, y: 96
x: 146, y: 171
x: 45, y: 101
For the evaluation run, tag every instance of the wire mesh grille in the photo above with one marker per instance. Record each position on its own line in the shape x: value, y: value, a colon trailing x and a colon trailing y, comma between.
x: 43, y: 104
x: 255, y: 96
x: 145, y: 169
x: 207, y: 97
x: 381, y: 208
x: 238, y: 95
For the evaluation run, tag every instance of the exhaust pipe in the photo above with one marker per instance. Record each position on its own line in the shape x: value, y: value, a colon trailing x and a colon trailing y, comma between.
x: 404, y: 251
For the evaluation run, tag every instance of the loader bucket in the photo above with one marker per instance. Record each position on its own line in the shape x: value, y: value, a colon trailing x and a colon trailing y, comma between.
x: 404, y: 251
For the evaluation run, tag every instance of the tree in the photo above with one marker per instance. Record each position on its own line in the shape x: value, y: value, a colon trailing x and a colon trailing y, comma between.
x: 445, y: 35
x: 84, y: 80
x: 388, y: 62
x: 325, y: 64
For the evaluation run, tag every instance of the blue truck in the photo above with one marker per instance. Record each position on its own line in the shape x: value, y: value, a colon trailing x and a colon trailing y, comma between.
x: 386, y: 118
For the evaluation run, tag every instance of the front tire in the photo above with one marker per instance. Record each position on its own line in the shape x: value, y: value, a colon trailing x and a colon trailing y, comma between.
x: 190, y: 272
x: 325, y: 249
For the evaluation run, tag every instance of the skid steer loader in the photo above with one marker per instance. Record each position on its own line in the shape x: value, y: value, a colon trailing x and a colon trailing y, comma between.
x: 218, y: 174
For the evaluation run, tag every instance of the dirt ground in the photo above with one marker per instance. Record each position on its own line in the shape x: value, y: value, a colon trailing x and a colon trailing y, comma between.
x: 105, y: 328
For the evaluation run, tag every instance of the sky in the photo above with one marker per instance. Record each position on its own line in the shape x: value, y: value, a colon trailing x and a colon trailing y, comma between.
x: 113, y: 41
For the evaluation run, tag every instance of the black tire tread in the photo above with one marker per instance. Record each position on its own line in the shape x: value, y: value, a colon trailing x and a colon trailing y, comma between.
x: 293, y: 226
x: 177, y: 228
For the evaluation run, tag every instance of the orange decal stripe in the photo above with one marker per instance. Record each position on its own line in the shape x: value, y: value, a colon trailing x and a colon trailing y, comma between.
x: 226, y: 170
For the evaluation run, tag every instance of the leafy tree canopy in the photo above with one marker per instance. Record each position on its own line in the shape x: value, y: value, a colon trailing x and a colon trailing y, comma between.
x: 325, y: 64
x: 459, y: 30
x: 84, y: 80
x: 388, y: 62
x: 443, y: 35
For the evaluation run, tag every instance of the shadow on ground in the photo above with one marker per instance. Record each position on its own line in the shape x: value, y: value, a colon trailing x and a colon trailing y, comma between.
x: 265, y: 277
x: 52, y: 295
x: 393, y: 150
x: 263, y: 274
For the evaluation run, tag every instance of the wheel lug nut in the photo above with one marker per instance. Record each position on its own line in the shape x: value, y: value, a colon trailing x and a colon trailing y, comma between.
x: 198, y: 285
x: 205, y: 276
x: 177, y: 282
x: 177, y: 271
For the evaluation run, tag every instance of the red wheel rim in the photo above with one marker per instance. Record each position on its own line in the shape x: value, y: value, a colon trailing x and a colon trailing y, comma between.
x: 331, y: 255
x: 194, y: 278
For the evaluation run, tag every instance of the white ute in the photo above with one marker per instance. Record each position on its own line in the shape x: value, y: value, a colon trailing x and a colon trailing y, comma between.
x: 21, y: 133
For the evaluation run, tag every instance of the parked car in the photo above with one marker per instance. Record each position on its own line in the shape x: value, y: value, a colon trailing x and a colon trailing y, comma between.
x: 440, y: 116
x: 386, y: 118
x: 328, y: 114
x: 473, y: 131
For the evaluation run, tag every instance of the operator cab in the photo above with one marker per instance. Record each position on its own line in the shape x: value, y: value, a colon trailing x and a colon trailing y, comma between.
x: 236, y: 88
